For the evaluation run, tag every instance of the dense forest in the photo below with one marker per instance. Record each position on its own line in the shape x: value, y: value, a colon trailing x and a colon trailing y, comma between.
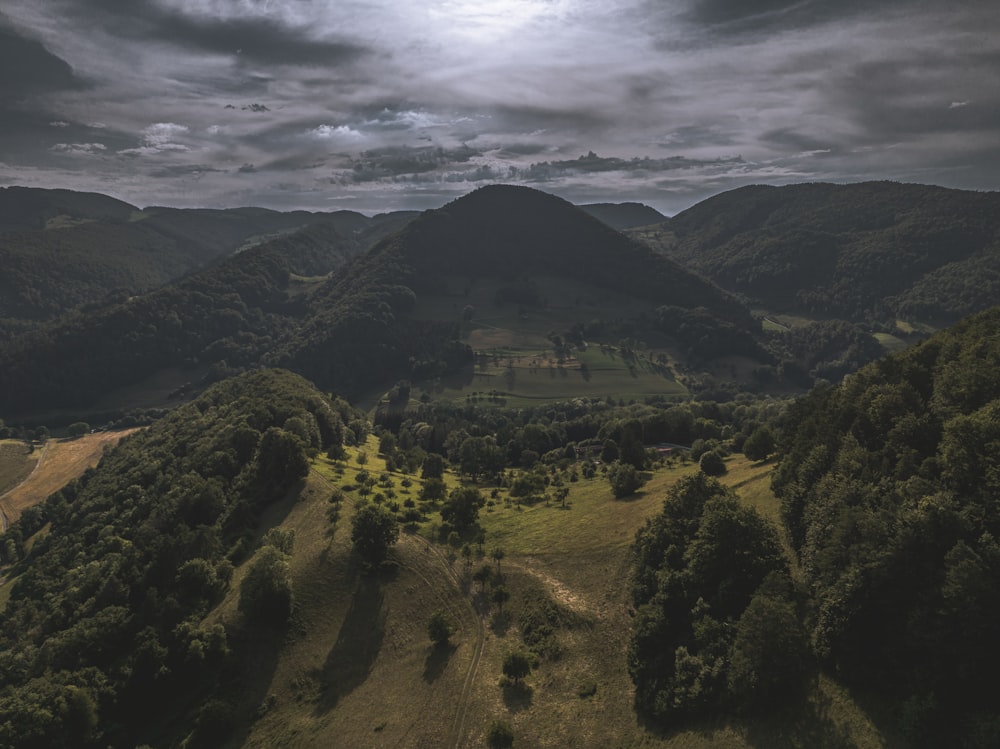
x: 102, y: 636
x: 889, y: 490
x: 883, y: 573
x: 355, y: 329
x: 860, y: 252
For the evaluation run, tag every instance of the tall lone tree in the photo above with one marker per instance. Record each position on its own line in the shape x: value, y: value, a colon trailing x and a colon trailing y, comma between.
x: 373, y: 530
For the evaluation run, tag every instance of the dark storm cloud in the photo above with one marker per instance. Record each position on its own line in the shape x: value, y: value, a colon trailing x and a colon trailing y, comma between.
x: 385, y: 103
x: 259, y: 40
x: 29, y: 68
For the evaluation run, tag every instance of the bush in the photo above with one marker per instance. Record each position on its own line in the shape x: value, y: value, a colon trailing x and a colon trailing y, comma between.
x: 712, y: 464
x: 625, y: 479
x: 266, y: 591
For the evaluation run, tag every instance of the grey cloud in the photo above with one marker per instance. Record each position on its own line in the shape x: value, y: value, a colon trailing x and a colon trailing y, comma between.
x: 184, y: 170
x: 594, y: 164
x: 257, y: 40
x: 393, y: 163
x: 29, y: 68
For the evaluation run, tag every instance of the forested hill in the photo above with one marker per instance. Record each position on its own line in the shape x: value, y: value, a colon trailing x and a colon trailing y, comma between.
x: 103, y: 638
x: 622, y: 216
x: 225, y: 316
x: 874, y: 250
x: 62, y: 249
x: 362, y: 321
x: 509, y: 232
x: 889, y: 486
x: 355, y: 329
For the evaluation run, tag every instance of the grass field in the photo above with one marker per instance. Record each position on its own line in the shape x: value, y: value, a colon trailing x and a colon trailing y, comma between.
x: 516, y: 356
x: 358, y: 670
x: 59, y: 462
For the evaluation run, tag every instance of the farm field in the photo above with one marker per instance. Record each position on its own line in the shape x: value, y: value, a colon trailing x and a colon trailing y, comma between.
x: 59, y: 462
x: 517, y: 364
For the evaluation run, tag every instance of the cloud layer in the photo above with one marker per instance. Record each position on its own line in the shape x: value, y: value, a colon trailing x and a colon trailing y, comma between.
x: 388, y: 104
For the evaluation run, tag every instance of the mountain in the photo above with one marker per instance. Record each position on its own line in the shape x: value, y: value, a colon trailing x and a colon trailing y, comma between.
x: 873, y: 250
x: 514, y: 235
x: 62, y: 249
x: 889, y: 486
x: 358, y: 328
x: 623, y: 216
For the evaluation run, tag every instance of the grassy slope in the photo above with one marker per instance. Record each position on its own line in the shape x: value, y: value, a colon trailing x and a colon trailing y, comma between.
x: 357, y: 668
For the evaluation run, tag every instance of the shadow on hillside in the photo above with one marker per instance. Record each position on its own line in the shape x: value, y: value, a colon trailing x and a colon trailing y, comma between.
x: 437, y: 661
x: 352, y: 656
x: 517, y: 697
x: 808, y: 724
x: 499, y: 624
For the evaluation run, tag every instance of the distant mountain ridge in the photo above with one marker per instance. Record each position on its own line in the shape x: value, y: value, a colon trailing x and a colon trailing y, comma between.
x: 356, y: 328
x: 623, y: 216
x: 872, y: 250
x: 62, y: 249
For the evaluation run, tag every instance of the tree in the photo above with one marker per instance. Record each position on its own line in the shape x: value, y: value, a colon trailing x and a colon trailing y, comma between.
x: 440, y: 627
x: 433, y: 467
x: 759, y: 444
x: 497, y: 555
x: 482, y: 576
x: 609, y: 453
x: 625, y: 479
x: 281, y: 458
x: 770, y: 662
x: 78, y: 429
x: 461, y: 509
x: 516, y: 665
x: 266, y: 591
x: 500, y: 595
x: 500, y: 735
x: 712, y: 464
x: 631, y: 448
x: 373, y: 530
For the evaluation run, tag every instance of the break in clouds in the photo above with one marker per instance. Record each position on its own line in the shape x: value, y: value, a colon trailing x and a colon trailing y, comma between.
x: 386, y: 104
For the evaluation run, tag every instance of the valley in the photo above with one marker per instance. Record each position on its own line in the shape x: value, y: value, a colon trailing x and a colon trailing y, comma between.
x: 722, y: 480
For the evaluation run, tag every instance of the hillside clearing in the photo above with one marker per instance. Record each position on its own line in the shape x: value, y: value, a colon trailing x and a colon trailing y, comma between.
x: 59, y: 462
x: 357, y: 668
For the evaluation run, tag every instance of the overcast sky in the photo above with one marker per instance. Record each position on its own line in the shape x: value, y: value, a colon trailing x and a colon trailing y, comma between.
x: 383, y: 104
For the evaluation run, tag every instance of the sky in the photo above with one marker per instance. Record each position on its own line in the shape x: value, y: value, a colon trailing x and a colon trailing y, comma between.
x: 407, y: 104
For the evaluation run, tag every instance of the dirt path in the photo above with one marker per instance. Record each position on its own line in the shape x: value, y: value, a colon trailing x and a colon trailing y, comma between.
x: 456, y: 732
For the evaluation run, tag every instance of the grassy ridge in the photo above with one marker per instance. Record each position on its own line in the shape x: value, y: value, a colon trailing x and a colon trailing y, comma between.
x: 359, y: 670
